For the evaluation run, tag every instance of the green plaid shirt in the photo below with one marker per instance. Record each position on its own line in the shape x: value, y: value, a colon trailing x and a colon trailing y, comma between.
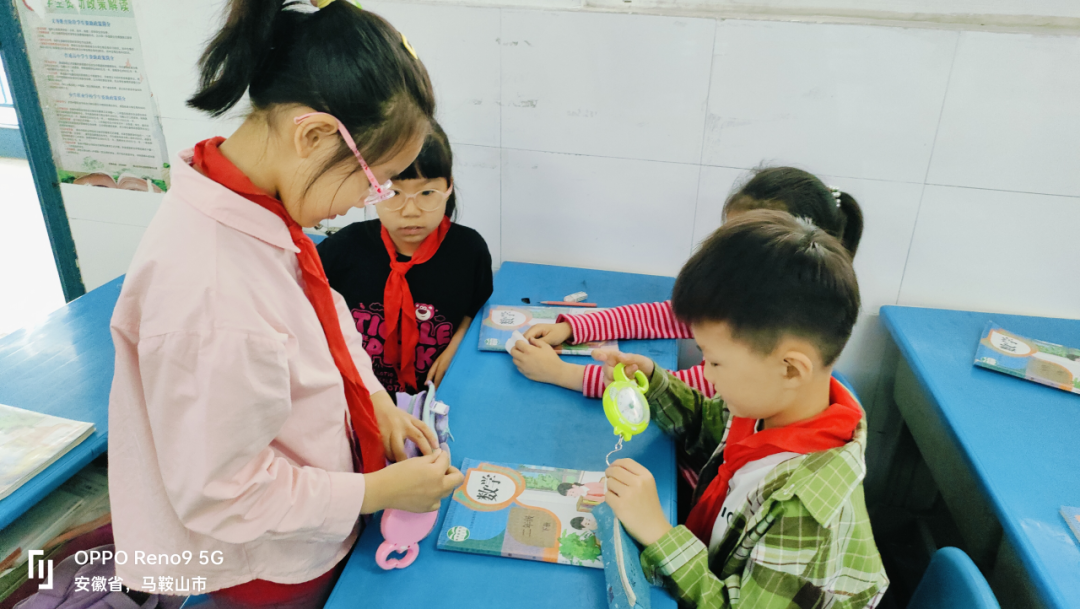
x: 807, y: 545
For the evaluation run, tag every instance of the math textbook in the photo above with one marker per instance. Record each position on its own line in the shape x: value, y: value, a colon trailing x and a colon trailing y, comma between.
x: 1072, y: 516
x: 31, y: 441
x: 501, y: 321
x: 1030, y: 359
x: 525, y: 511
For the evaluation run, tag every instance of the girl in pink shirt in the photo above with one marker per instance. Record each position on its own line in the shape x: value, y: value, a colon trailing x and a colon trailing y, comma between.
x: 247, y: 430
x: 779, y: 188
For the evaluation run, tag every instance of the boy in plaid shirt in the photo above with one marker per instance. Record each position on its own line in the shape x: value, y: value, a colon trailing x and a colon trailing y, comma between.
x: 779, y: 518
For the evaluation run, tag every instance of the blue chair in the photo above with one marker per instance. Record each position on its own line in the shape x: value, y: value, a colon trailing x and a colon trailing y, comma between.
x: 952, y: 581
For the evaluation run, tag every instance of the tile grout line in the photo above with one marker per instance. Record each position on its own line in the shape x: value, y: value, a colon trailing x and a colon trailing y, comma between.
x: 502, y: 162
x: 704, y: 129
x: 929, y: 164
x: 834, y: 175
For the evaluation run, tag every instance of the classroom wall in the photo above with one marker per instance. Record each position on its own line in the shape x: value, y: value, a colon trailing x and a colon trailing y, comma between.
x: 610, y: 141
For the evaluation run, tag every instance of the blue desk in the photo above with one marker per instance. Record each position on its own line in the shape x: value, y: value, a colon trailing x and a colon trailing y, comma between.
x: 62, y: 367
x: 498, y: 414
x: 1004, y: 452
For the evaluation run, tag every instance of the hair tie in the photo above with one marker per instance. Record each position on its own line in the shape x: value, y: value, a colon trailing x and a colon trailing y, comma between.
x: 408, y: 47
x: 835, y: 194
x: 325, y: 3
x: 321, y: 4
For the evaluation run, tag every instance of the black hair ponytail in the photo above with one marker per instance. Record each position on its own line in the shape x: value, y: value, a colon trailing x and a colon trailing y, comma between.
x: 340, y: 60
x: 851, y: 233
x: 803, y: 195
x: 230, y: 62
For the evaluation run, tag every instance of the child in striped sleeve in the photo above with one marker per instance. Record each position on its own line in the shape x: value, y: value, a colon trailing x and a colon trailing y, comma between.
x: 779, y: 518
x: 781, y: 188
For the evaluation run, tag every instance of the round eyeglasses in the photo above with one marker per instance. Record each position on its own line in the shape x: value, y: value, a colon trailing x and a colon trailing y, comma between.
x: 428, y: 199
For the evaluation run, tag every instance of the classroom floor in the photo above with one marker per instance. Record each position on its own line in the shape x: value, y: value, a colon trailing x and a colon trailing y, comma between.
x: 29, y: 284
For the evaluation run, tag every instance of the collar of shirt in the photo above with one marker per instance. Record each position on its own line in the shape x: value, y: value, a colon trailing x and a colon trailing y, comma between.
x: 227, y: 207
x: 824, y: 481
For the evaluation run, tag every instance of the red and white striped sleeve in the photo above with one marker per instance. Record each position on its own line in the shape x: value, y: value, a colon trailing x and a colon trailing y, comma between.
x: 695, y: 378
x: 645, y: 320
x: 593, y: 384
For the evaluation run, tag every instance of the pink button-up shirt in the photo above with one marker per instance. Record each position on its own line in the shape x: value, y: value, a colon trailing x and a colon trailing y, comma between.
x: 227, y: 418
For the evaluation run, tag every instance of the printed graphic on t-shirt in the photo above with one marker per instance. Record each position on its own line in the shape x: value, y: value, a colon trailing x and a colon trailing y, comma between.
x: 435, y: 335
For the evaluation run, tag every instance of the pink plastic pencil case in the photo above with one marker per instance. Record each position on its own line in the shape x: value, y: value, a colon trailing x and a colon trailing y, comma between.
x: 403, y: 531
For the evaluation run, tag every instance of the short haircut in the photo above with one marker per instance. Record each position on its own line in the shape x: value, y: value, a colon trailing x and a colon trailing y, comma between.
x: 767, y: 274
x: 578, y: 523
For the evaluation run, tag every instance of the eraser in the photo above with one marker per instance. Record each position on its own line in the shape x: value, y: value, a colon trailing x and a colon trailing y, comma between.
x: 575, y: 297
x: 514, y: 338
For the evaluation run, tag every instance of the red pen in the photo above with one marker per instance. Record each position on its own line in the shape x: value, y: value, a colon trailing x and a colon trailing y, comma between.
x: 562, y: 303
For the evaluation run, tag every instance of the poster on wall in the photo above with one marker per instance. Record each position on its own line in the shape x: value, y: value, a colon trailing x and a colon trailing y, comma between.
x: 102, y: 121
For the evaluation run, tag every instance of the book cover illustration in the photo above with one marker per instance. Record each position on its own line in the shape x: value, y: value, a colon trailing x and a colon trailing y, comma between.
x: 525, y: 511
x: 626, y: 583
x: 1072, y: 516
x: 31, y: 441
x: 1030, y: 359
x: 500, y: 322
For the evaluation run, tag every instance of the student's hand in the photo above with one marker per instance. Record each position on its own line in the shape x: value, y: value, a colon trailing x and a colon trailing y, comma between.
x: 631, y: 493
x: 537, y: 360
x: 441, y: 365
x: 632, y: 362
x: 395, y: 425
x: 552, y: 334
x: 414, y: 485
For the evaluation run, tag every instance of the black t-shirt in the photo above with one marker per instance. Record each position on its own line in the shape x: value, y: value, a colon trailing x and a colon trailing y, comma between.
x: 453, y: 284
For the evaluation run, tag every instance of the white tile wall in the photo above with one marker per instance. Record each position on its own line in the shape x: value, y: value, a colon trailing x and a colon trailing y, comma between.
x: 1011, y: 119
x: 625, y: 86
x: 714, y: 187
x: 611, y: 141
x: 105, y: 249
x: 850, y: 100
x: 477, y: 177
x: 988, y: 250
x: 889, y: 212
x: 460, y: 48
x: 173, y: 36
x: 110, y: 205
x: 571, y: 210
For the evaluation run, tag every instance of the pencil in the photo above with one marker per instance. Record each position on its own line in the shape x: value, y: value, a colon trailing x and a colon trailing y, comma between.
x: 561, y: 303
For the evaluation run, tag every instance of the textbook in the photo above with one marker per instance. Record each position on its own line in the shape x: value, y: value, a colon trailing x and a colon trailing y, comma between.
x: 525, y: 511
x: 1072, y: 517
x: 79, y: 505
x: 1030, y: 359
x: 626, y: 583
x: 501, y: 321
x: 31, y: 441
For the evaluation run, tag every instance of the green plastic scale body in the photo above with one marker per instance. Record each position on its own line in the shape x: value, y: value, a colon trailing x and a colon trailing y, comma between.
x: 625, y: 405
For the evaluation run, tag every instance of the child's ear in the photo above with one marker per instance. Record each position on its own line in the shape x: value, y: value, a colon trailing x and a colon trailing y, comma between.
x: 798, y: 366
x: 313, y: 133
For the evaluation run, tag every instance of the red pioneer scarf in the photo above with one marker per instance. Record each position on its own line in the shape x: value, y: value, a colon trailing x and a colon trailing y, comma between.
x: 399, y: 309
x: 833, y: 428
x: 370, y: 456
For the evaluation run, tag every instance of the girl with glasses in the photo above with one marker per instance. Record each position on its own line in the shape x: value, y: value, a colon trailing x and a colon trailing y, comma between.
x: 413, y: 279
x: 247, y: 427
